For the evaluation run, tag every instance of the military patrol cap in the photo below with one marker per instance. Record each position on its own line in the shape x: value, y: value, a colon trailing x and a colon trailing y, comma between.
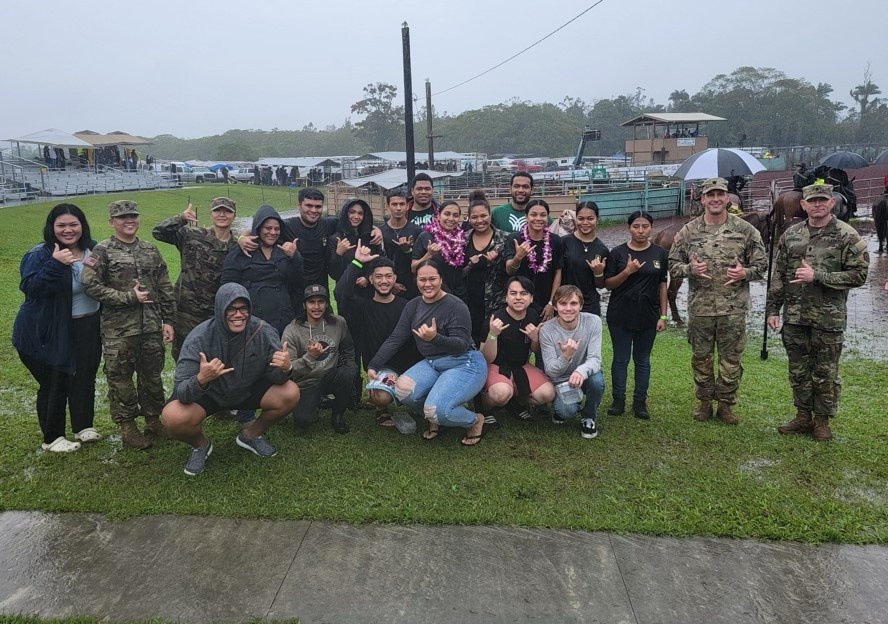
x: 714, y: 184
x: 122, y: 207
x: 817, y: 190
x: 223, y: 202
x: 315, y: 290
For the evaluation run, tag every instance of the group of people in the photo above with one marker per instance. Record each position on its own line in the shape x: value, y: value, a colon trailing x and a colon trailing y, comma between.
x: 451, y: 316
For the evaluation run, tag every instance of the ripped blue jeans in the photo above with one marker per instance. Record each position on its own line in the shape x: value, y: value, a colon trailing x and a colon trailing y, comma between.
x: 444, y: 384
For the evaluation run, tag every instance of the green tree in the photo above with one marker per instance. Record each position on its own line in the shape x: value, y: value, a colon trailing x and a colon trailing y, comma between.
x: 235, y: 150
x: 383, y: 124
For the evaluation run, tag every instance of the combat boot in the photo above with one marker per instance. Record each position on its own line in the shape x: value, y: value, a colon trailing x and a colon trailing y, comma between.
x: 155, y: 428
x: 821, y: 432
x: 726, y: 414
x: 802, y: 423
x: 639, y: 406
x: 703, y: 411
x: 132, y: 437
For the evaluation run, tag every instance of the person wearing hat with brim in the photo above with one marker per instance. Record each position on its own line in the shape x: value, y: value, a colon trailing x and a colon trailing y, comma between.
x: 322, y: 354
x: 816, y: 263
x: 719, y: 254
x: 129, y: 277
x: 202, y: 252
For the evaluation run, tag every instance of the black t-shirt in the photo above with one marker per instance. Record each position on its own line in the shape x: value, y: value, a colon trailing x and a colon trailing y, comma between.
x: 635, y: 304
x: 398, y: 256
x: 542, y: 282
x: 312, y: 245
x: 421, y: 217
x: 374, y: 322
x: 513, y: 347
x: 454, y: 280
x: 577, y: 272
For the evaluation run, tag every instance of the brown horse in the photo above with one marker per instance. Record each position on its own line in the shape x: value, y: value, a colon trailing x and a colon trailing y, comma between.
x: 665, y: 237
x: 788, y: 206
x: 880, y: 216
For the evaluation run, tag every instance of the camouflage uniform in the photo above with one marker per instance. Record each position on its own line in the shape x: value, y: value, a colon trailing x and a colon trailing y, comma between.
x: 132, y: 341
x: 717, y: 313
x: 201, y: 255
x: 815, y: 314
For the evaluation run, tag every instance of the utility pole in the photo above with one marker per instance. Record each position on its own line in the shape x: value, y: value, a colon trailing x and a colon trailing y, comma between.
x: 429, y: 134
x: 408, y: 103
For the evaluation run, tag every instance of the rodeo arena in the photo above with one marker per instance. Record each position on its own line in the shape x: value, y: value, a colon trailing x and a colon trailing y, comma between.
x: 659, y: 171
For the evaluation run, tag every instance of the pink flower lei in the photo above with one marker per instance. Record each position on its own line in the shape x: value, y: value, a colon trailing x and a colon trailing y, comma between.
x: 538, y: 267
x: 453, y: 244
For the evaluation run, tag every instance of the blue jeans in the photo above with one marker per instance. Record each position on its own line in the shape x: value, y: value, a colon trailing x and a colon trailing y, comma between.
x: 444, y: 384
x: 593, y: 388
x: 636, y: 344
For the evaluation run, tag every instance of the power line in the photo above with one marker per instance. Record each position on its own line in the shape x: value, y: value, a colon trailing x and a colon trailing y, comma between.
x: 521, y: 52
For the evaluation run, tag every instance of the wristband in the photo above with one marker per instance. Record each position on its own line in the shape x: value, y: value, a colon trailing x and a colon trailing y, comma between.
x: 550, y: 303
x: 598, y: 275
x: 357, y: 264
x: 662, y: 317
x: 491, y: 337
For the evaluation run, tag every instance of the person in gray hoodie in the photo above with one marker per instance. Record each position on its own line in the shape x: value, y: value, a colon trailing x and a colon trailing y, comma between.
x: 231, y: 361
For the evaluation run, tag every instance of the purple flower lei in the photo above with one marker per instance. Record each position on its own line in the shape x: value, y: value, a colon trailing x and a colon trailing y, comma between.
x: 532, y: 258
x: 453, y: 244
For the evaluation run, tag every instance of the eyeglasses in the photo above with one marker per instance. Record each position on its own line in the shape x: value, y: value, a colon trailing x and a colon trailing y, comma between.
x: 238, y: 311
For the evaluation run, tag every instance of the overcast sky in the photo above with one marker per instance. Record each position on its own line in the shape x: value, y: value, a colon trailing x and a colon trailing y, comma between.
x: 196, y: 68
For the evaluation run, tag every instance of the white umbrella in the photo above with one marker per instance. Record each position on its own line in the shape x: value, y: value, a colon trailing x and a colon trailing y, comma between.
x: 719, y: 162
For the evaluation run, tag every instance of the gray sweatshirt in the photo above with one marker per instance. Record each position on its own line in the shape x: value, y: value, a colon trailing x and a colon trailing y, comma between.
x: 587, y: 359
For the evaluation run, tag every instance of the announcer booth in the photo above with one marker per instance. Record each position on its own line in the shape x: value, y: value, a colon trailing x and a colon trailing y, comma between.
x: 662, y: 138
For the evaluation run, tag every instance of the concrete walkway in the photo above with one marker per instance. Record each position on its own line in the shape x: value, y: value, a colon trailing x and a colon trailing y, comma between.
x: 192, y: 569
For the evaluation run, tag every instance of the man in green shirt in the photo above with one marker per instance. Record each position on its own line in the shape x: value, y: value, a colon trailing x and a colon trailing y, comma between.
x: 509, y: 217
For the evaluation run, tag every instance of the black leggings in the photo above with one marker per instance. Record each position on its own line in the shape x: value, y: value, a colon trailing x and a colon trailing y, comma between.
x: 77, y: 391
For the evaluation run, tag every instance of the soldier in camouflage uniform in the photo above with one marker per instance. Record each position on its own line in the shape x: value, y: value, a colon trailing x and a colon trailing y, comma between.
x: 817, y: 263
x: 202, y: 251
x: 719, y: 254
x: 129, y: 277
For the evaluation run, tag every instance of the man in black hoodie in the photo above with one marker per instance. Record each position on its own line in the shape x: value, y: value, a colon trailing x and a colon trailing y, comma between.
x: 231, y: 361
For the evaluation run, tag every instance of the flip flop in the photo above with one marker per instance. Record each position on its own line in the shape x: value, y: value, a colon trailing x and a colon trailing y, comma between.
x: 464, y: 440
x: 430, y: 434
x: 385, y: 420
x: 88, y: 435
x: 60, y: 445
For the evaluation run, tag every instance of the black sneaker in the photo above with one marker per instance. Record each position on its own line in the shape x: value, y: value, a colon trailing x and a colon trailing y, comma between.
x: 588, y: 430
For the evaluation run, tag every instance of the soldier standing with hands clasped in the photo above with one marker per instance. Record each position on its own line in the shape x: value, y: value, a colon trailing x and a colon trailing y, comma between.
x: 129, y: 278
x: 817, y: 263
x: 719, y: 254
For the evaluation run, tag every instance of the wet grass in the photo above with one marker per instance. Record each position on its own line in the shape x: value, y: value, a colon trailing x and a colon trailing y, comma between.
x: 668, y: 476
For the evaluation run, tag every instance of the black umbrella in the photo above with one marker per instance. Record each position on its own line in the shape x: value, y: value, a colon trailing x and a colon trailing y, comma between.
x: 881, y: 159
x: 718, y: 162
x: 844, y: 160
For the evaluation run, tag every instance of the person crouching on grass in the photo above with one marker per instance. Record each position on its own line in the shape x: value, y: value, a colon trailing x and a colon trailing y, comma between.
x: 514, y: 333
x: 571, y: 345
x: 452, y: 371
x: 231, y: 361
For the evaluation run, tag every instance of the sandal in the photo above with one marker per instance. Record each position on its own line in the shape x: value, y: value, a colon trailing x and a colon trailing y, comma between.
x: 385, y: 420
x: 88, y: 435
x: 474, y: 439
x: 60, y: 445
x: 430, y: 434
x: 470, y: 439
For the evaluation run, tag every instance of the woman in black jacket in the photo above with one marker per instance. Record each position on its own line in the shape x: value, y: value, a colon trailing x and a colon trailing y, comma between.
x: 56, y: 330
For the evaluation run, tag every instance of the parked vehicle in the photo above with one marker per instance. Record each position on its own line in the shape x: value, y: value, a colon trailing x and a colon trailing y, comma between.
x: 529, y: 167
x: 501, y: 165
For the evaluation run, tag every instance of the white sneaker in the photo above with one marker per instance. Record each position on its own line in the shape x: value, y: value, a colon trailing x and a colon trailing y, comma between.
x: 60, y: 445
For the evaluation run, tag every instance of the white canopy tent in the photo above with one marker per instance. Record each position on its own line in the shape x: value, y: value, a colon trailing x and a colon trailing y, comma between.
x: 420, y: 156
x: 393, y: 178
x: 305, y: 162
x: 51, y: 136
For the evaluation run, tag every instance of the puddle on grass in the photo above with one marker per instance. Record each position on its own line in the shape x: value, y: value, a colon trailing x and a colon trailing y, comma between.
x: 855, y: 490
x: 755, y: 467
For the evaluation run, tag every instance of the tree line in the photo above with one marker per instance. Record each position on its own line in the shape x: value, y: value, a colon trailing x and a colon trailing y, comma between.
x: 762, y: 106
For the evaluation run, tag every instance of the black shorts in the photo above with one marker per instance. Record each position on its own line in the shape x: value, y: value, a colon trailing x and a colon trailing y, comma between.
x: 251, y: 402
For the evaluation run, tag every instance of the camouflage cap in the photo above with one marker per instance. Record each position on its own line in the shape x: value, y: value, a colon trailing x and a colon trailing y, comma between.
x: 315, y: 290
x: 714, y: 184
x: 223, y: 202
x: 817, y: 190
x: 122, y: 207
